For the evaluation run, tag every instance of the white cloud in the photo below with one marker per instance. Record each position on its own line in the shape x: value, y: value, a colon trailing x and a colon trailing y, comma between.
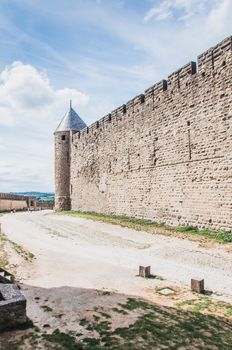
x: 160, y: 12
x: 185, y: 9
x: 219, y: 17
x: 30, y: 110
x: 27, y: 96
x: 23, y: 87
x: 6, y: 117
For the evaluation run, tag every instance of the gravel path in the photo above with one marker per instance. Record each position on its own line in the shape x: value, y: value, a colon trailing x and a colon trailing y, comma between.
x: 83, y: 253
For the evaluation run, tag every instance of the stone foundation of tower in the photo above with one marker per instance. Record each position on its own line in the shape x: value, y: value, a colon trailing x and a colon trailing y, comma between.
x: 62, y: 203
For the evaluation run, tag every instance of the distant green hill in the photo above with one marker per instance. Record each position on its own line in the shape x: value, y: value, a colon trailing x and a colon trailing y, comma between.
x: 40, y: 196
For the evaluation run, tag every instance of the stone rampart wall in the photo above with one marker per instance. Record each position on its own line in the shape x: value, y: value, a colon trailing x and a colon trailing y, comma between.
x: 9, y: 204
x: 166, y: 155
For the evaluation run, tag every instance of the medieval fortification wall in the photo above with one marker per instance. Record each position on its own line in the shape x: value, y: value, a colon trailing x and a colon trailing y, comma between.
x: 167, y: 154
x: 10, y: 201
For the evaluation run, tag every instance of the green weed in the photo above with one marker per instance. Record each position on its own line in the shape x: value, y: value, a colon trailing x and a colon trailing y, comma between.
x: 65, y: 340
x: 150, y: 226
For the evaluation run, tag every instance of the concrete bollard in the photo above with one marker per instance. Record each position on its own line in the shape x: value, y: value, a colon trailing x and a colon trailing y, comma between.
x: 144, y: 271
x: 197, y: 285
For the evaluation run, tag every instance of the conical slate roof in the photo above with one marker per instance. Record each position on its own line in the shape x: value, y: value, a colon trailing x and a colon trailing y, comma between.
x: 71, y: 121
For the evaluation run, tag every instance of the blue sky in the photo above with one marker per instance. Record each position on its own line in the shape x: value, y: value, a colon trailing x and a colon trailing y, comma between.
x: 100, y: 53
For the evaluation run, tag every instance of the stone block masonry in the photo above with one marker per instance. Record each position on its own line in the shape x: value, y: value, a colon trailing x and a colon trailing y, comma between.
x: 144, y: 271
x: 166, y: 155
x: 197, y: 285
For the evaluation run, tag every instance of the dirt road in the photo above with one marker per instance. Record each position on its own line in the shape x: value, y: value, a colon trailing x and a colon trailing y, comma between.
x: 81, y: 253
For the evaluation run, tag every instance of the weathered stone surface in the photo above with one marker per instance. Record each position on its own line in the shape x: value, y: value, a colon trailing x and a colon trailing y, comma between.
x: 144, y: 271
x: 62, y: 170
x: 12, y: 306
x: 197, y: 285
x: 165, y: 155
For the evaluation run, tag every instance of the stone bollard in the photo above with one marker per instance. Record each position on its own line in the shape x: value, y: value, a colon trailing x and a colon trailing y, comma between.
x: 197, y: 285
x: 144, y: 271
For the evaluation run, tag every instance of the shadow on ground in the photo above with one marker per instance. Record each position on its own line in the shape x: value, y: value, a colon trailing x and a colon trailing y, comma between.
x: 82, y: 319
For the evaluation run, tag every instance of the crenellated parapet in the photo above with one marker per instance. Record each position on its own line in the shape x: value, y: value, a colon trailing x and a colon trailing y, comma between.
x: 179, y: 78
x: 210, y: 61
x: 215, y: 56
x: 154, y: 92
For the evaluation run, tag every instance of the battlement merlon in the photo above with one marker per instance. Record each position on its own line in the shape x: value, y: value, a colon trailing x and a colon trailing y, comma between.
x: 155, y: 90
x: 215, y: 56
x: 177, y: 78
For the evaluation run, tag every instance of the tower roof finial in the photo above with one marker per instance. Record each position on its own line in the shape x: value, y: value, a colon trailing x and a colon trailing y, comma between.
x: 70, y: 104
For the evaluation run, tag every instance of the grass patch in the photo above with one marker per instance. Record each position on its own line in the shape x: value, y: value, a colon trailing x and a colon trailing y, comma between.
x: 26, y: 255
x: 150, y: 226
x: 92, y: 343
x: 67, y: 341
x: 162, y: 328
x: 133, y: 304
x: 4, y: 263
x: 206, y: 305
x: 83, y: 322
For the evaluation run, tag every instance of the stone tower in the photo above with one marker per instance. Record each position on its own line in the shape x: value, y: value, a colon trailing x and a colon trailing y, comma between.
x: 63, y: 138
